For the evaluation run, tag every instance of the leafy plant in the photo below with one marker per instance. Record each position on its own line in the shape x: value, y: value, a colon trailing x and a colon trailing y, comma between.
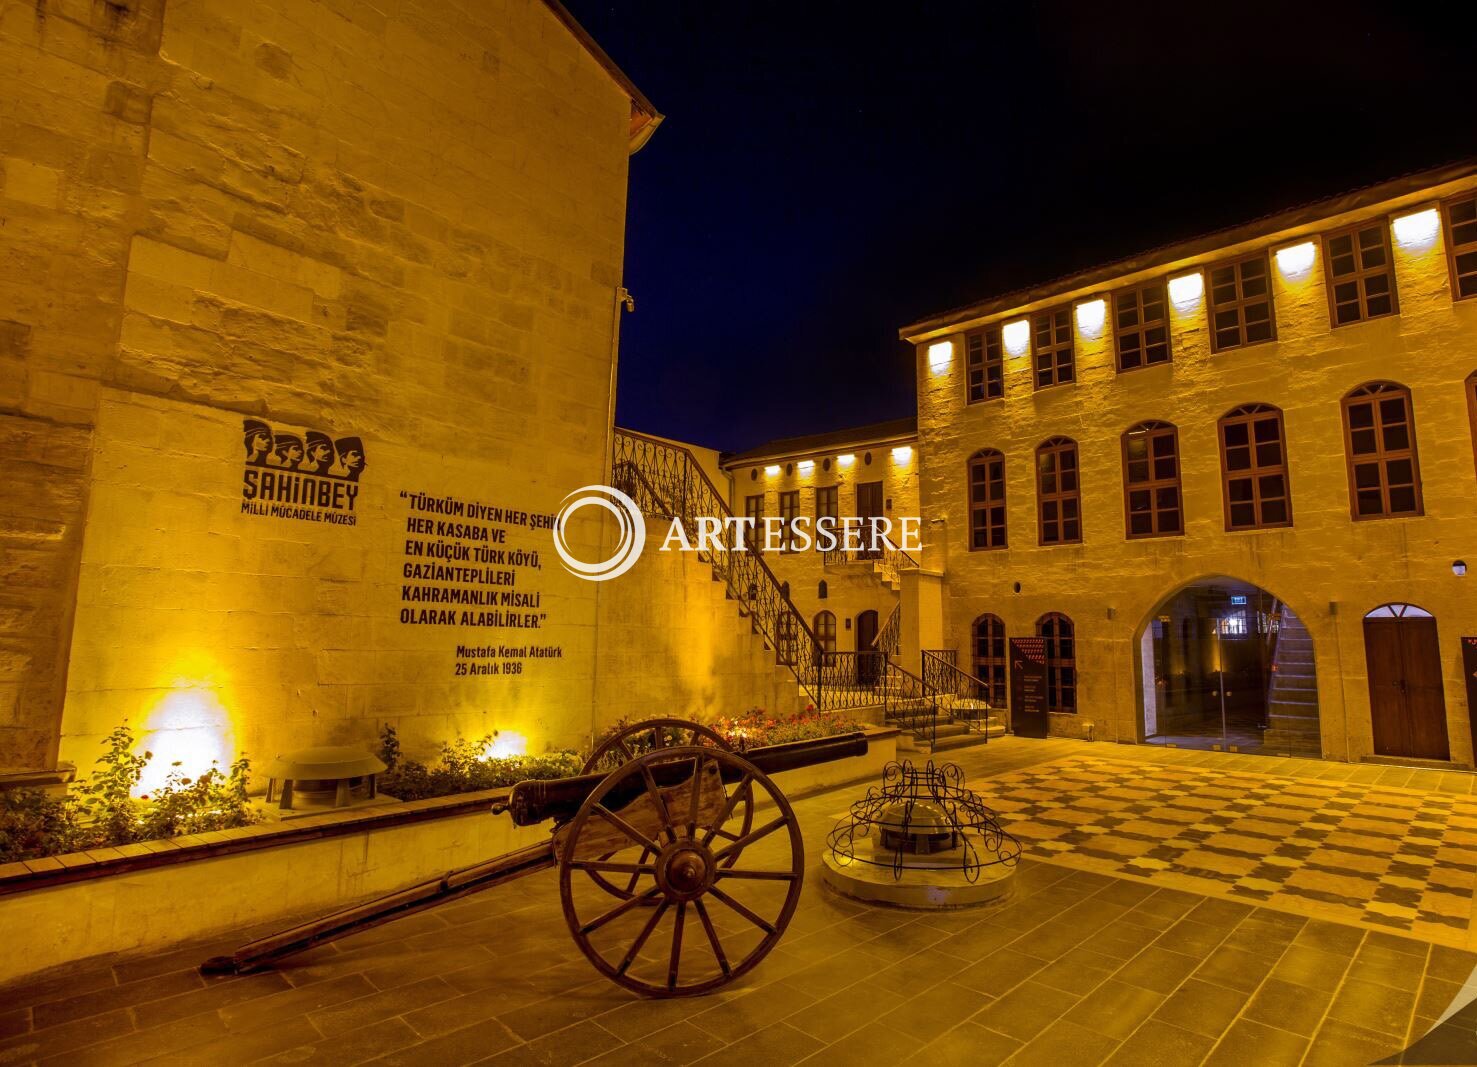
x: 389, y: 752
x: 105, y: 802
x: 34, y: 823
x: 464, y: 768
x: 755, y: 728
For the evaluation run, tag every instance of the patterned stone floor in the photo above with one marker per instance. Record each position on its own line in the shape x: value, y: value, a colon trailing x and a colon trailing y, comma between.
x: 1394, y: 858
x: 1080, y: 968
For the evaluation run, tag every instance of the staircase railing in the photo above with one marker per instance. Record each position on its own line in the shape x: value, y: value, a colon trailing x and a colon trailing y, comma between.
x: 908, y: 701
x: 666, y: 480
x: 961, y: 695
x: 890, y: 634
x: 891, y: 559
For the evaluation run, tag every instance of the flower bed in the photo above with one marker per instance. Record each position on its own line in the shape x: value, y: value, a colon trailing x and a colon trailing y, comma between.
x: 465, y: 767
x: 102, y: 812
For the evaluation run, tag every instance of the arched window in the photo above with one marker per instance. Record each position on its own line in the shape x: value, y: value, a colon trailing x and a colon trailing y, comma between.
x: 1254, y: 468
x: 1058, y: 492
x: 825, y: 631
x: 1061, y: 661
x: 986, y: 500
x: 989, y: 657
x: 1379, y: 436
x: 822, y: 590
x: 1151, y: 480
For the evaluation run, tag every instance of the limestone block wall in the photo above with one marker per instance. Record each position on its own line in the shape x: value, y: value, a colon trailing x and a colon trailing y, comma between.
x: 1329, y: 569
x: 669, y: 643
x: 400, y: 225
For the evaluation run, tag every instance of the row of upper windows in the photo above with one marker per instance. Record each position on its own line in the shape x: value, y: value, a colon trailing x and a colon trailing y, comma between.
x: 1379, y: 441
x: 1359, y: 271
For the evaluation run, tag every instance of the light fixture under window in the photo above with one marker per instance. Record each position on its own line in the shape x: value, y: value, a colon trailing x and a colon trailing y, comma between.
x: 902, y: 453
x: 846, y: 460
x: 1017, y: 337
x: 1418, y: 230
x: 772, y: 469
x: 1186, y: 290
x: 1296, y: 260
x: 940, y: 355
x: 1091, y: 315
x: 807, y: 465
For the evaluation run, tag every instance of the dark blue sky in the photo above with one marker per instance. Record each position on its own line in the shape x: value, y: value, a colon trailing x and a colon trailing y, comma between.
x: 828, y: 172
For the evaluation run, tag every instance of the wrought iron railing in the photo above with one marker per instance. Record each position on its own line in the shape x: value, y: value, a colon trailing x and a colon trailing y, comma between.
x: 908, y: 702
x: 948, y: 655
x: 889, y: 636
x: 666, y: 480
x: 960, y: 695
x: 889, y: 558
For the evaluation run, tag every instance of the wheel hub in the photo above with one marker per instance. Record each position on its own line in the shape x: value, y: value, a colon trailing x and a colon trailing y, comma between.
x: 684, y: 870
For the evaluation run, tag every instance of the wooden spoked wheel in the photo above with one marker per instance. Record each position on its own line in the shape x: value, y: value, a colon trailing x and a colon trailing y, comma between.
x: 642, y: 737
x: 638, y: 739
x: 717, y: 901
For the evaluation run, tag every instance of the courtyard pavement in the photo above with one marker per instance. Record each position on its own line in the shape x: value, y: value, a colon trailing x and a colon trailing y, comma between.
x: 1099, y: 957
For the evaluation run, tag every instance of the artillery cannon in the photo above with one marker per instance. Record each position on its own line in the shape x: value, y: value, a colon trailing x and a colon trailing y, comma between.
x: 660, y: 826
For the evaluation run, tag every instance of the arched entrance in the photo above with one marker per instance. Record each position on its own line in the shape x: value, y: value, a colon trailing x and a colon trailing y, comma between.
x: 867, y: 667
x: 1407, y: 705
x: 1227, y: 666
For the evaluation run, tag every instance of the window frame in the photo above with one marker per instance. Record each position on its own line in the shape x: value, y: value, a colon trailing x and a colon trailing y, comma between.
x: 1240, y: 303
x: 985, y: 335
x: 1250, y: 414
x: 1452, y: 248
x: 787, y: 521
x: 1359, y: 394
x: 1055, y: 348
x: 1471, y: 387
x: 822, y: 634
x: 1154, y: 484
x: 988, y: 662
x: 751, y: 511
x: 1382, y: 224
x: 1056, y: 663
x: 1057, y: 446
x: 981, y: 457
x: 1119, y: 332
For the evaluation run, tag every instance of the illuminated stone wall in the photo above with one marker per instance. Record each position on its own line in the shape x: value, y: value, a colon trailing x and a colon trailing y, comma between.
x: 403, y: 228
x: 1329, y: 569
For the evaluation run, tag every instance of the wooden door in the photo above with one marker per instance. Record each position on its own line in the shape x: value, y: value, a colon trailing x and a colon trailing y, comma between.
x: 1407, y: 705
x: 866, y: 639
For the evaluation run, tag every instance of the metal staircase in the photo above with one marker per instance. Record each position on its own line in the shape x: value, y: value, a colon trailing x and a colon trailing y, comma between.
x: 967, y: 716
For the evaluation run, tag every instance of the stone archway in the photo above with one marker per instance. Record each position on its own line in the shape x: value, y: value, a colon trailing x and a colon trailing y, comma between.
x: 1224, y: 664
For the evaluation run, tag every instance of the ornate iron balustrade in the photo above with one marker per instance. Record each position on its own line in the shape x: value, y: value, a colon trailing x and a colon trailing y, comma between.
x: 959, y: 694
x: 889, y: 558
x: 666, y: 480
x: 850, y: 679
x: 890, y: 634
x: 909, y: 702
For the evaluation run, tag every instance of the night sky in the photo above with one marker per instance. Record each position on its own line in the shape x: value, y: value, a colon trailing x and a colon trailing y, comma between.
x: 829, y: 172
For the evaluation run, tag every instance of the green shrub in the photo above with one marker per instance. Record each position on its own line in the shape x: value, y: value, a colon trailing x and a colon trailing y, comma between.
x: 101, y: 811
x: 464, y: 768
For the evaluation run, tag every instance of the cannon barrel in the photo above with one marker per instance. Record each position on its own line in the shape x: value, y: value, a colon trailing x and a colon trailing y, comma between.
x: 560, y: 798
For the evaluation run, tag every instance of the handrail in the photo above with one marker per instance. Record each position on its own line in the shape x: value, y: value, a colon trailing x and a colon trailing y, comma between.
x: 666, y: 479
x: 952, y: 684
x: 889, y: 635
x: 908, y: 699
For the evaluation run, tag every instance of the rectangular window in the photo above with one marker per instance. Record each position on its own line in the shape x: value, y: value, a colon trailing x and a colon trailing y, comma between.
x: 1360, y: 272
x: 987, y: 500
x: 1240, y: 303
x: 1151, y: 481
x: 1254, y: 466
x: 789, y: 510
x: 984, y: 357
x: 1384, y: 474
x: 1461, y: 245
x: 827, y: 502
x: 1141, y: 326
x: 1051, y: 334
x: 754, y: 511
x: 1059, y: 493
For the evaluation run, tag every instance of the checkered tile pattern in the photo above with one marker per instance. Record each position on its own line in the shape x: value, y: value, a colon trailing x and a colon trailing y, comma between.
x: 1399, y: 859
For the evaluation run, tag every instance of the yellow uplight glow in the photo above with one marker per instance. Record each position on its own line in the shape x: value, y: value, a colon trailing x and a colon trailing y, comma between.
x: 772, y: 469
x: 940, y: 355
x: 1091, y: 315
x: 902, y: 453
x: 806, y: 466
x: 1296, y: 260
x: 506, y: 743
x: 846, y: 460
x: 1017, y: 337
x: 1186, y: 290
x: 1418, y: 230
x: 191, y: 727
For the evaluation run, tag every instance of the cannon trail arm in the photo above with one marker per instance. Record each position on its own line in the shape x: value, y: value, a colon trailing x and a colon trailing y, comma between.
x: 261, y: 954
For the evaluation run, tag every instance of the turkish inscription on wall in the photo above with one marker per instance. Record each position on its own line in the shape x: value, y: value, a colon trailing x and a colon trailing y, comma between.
x: 463, y: 568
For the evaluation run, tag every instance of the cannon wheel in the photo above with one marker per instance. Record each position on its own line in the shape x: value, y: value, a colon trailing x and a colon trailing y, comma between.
x: 688, y: 855
x: 637, y: 739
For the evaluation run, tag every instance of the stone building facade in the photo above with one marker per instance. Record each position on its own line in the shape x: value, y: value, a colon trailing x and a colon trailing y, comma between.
x: 1174, y: 464
x: 308, y: 314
